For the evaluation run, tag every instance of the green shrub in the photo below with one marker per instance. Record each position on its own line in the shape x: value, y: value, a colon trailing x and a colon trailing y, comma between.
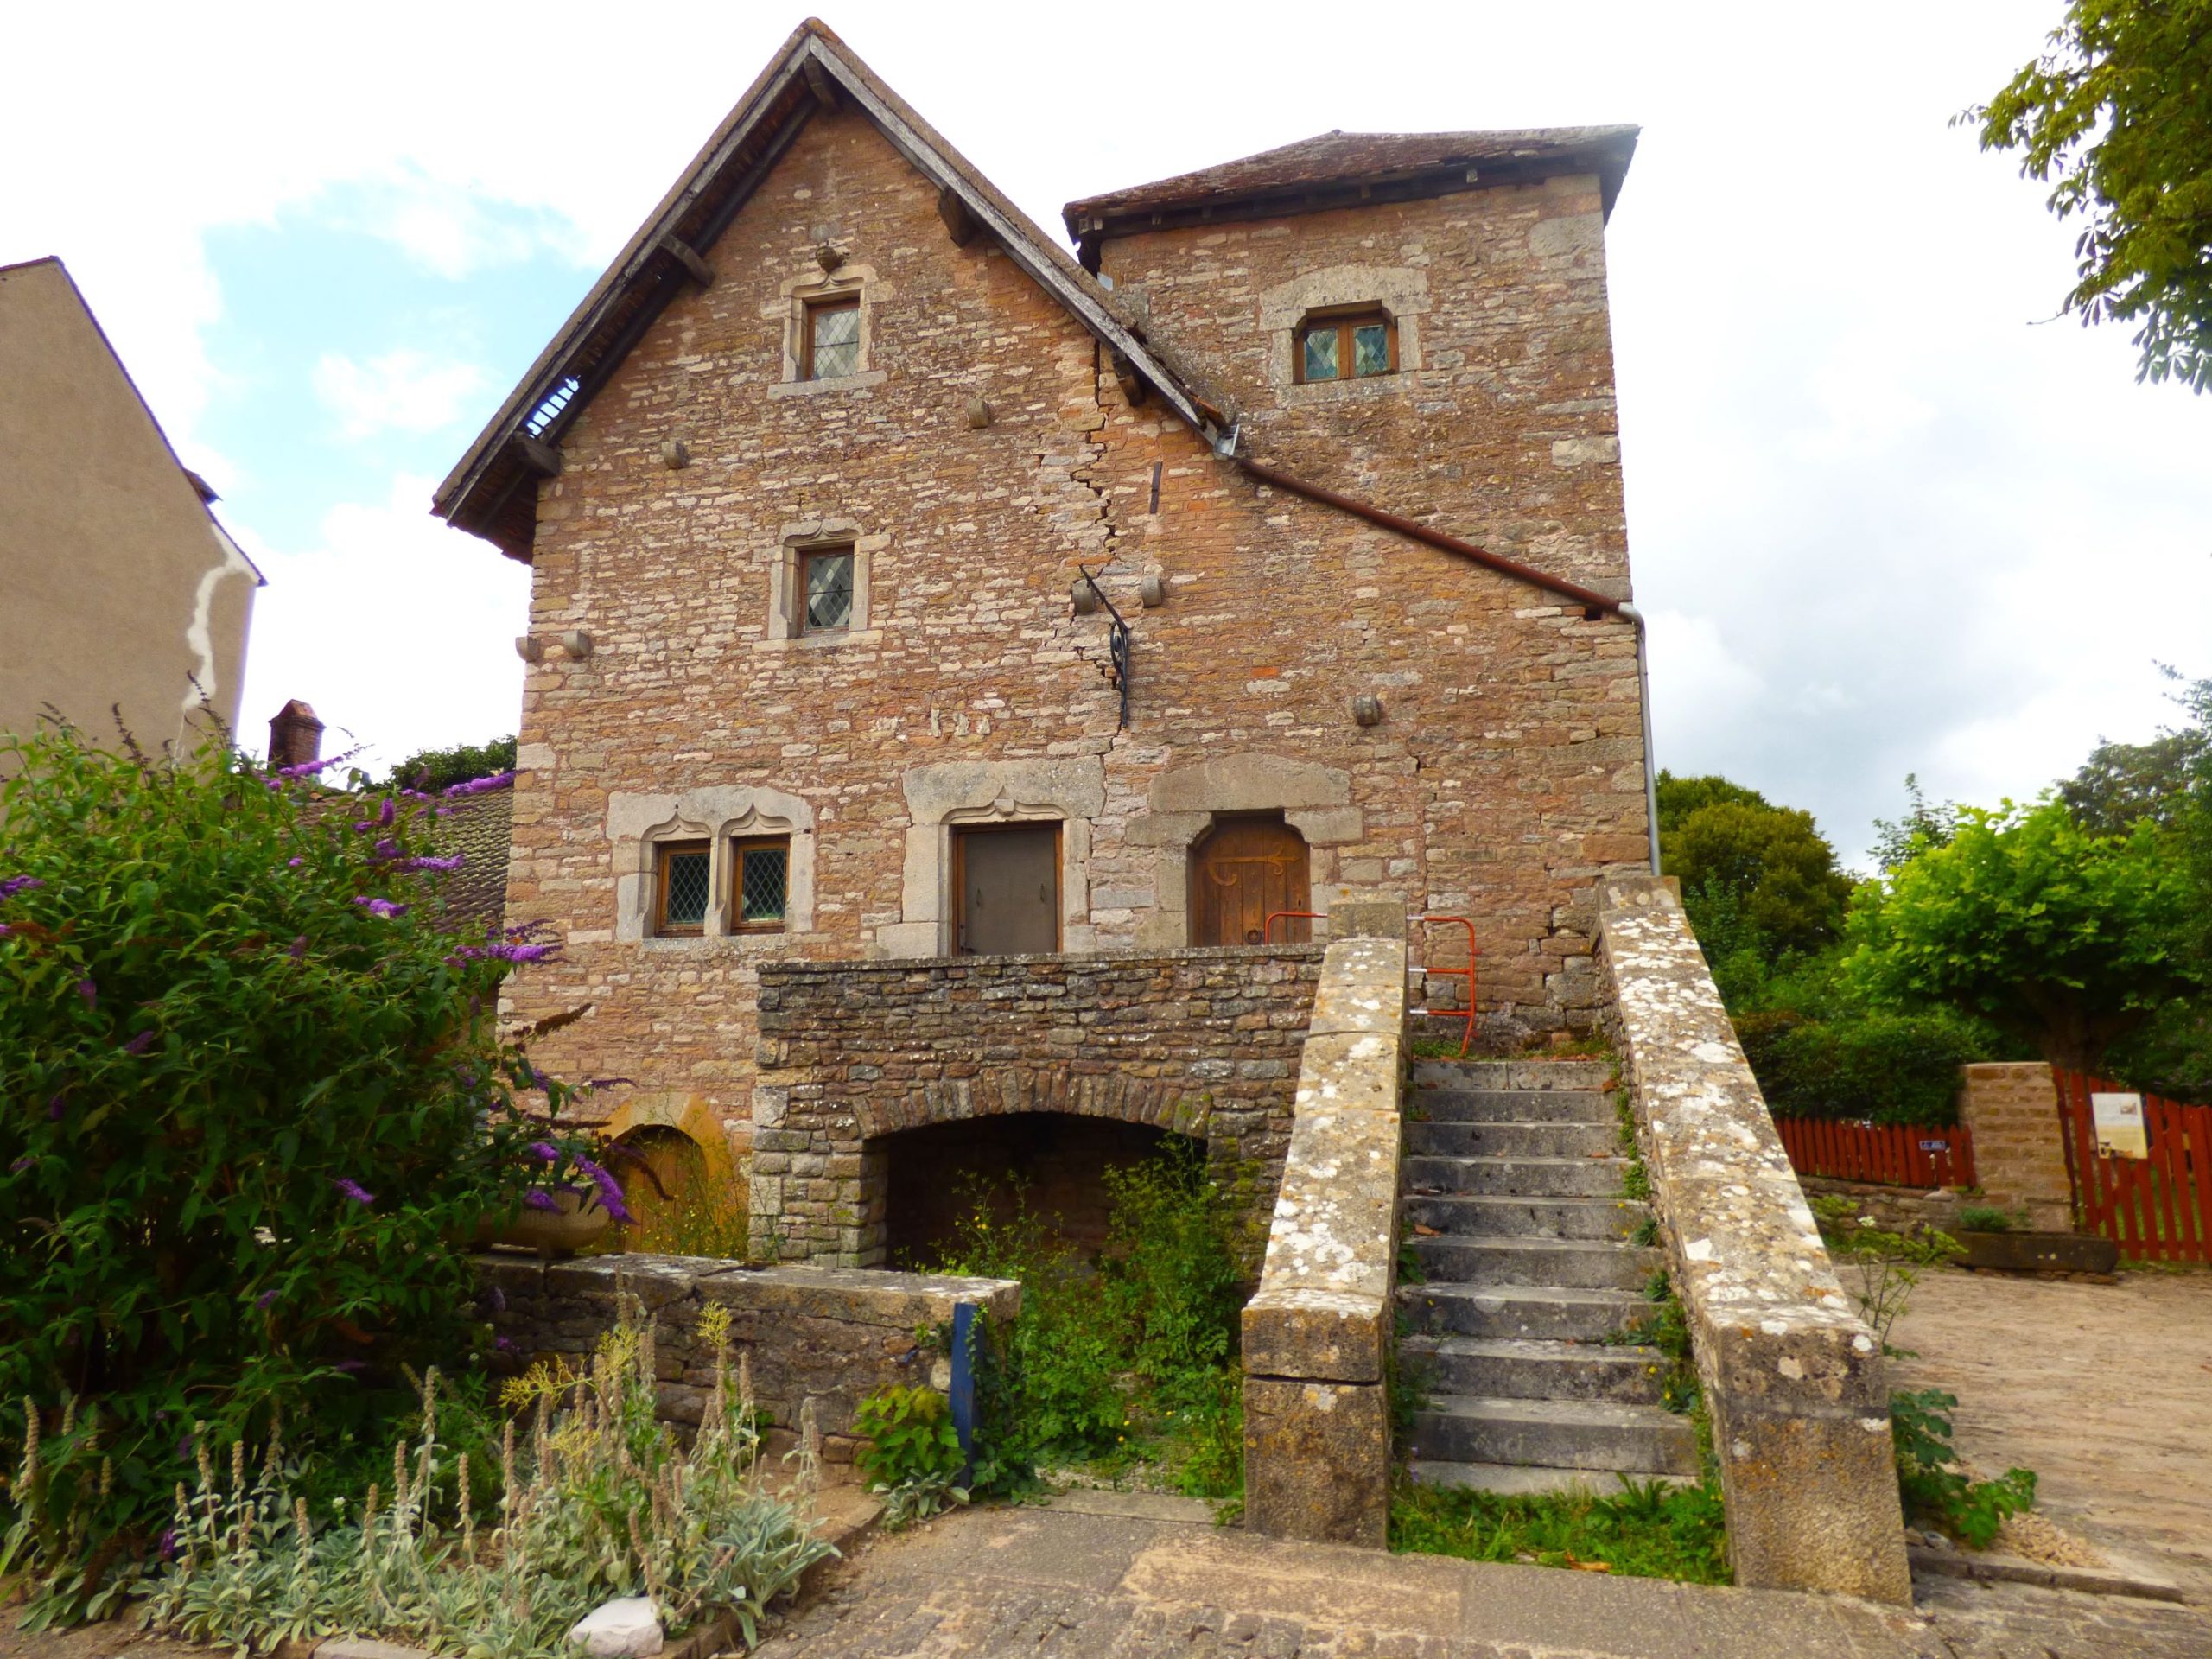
x: 1879, y: 1068
x: 257, y: 1105
x: 1936, y: 1492
x: 1647, y: 1529
x: 1169, y: 1274
x: 1984, y: 1218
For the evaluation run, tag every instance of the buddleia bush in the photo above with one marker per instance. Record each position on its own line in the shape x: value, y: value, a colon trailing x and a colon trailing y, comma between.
x: 255, y: 1106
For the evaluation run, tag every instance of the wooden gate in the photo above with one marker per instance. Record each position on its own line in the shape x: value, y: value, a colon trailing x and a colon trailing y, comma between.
x: 2157, y: 1208
x: 1892, y: 1154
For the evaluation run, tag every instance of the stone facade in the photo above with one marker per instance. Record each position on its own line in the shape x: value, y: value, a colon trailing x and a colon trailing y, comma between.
x: 810, y: 1334
x: 982, y: 452
x: 2019, y: 1151
x: 1793, y: 1379
x: 1204, y: 1043
x: 1895, y: 1209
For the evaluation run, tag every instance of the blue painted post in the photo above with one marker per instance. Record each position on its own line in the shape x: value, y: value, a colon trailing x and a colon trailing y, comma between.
x: 964, y: 1338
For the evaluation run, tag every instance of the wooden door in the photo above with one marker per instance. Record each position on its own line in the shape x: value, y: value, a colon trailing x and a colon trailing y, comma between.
x: 1008, y: 879
x: 1243, y: 871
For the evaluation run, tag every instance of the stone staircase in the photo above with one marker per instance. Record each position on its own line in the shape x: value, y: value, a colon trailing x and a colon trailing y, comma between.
x: 1510, y: 1196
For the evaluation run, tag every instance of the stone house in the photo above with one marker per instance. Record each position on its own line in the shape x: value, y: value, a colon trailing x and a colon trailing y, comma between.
x: 949, y: 652
x: 122, y: 592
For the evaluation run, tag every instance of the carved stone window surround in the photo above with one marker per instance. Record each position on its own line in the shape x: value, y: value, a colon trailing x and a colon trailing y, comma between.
x: 636, y: 823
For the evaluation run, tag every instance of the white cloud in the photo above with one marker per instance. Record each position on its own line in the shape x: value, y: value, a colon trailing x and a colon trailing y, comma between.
x: 399, y: 630
x: 406, y: 391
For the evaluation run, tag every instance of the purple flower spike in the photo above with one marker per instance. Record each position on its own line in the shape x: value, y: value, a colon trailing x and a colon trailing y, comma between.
x: 299, y: 948
x: 168, y: 1545
x: 544, y: 1151
x: 502, y: 1344
x: 481, y: 785
x: 610, y: 1190
x: 15, y: 884
x: 453, y: 863
x: 354, y: 1190
x: 386, y: 848
x: 5, y: 930
x: 89, y: 991
x: 538, y: 1200
x: 348, y: 1365
x: 388, y: 812
x: 139, y: 1044
x: 266, y: 1300
x: 294, y: 863
x: 20, y: 1166
x: 54, y: 1108
x: 383, y: 907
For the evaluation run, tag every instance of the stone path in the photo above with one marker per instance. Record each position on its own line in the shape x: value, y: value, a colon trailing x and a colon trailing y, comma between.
x: 1058, y: 1581
x: 2104, y: 1391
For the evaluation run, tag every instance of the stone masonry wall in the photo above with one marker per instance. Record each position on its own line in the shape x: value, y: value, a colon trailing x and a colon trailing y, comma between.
x: 1202, y: 1042
x: 2020, y: 1154
x: 1504, y: 780
x: 1793, y: 1379
x: 812, y: 1333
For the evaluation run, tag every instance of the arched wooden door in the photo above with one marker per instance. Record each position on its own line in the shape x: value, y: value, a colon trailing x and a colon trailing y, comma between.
x: 1242, y: 872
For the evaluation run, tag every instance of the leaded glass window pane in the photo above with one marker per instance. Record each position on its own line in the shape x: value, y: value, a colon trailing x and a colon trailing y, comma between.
x: 1321, y: 354
x: 683, y: 888
x: 829, y: 590
x: 836, y: 339
x: 763, y: 877
x: 1370, y: 349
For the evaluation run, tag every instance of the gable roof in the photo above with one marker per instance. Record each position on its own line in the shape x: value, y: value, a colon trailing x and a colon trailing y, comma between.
x: 1335, y: 167
x: 487, y: 491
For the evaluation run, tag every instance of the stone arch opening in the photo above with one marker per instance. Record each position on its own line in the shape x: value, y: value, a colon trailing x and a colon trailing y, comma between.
x: 937, y: 1175
x: 663, y: 1171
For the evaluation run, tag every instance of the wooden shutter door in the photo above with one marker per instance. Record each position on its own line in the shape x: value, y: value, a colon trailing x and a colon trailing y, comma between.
x: 1241, y: 872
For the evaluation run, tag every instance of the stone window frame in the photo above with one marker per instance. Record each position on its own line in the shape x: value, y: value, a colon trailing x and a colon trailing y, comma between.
x: 639, y: 823
x: 943, y: 797
x: 786, y: 591
x: 789, y: 310
x: 1343, y: 321
x: 1398, y: 292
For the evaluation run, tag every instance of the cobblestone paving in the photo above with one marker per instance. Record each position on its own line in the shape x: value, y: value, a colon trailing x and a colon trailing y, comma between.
x: 995, y: 1584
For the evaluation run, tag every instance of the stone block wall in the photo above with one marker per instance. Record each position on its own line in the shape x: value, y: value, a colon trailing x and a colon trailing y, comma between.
x: 1317, y: 1418
x: 812, y: 1333
x: 2019, y: 1149
x: 1204, y: 1043
x: 1895, y: 1209
x: 1793, y: 1379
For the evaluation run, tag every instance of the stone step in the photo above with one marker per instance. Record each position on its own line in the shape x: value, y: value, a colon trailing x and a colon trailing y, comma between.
x: 1517, y: 1367
x: 1555, y: 1434
x: 1543, y: 1313
x: 1511, y: 1105
x: 1529, y: 1480
x: 1513, y: 1074
x: 1511, y: 1140
x: 1583, y: 1263
x: 1505, y: 1215
x: 1531, y: 1178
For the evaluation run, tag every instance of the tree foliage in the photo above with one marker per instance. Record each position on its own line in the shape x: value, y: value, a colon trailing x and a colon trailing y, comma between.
x: 2118, y: 111
x: 1679, y: 796
x: 2063, y: 937
x: 255, y: 1106
x: 431, y: 769
x: 1769, y: 864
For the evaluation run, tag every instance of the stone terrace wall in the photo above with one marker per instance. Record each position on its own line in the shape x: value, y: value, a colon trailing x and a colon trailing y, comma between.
x: 813, y: 1333
x: 1202, y: 1042
x: 1793, y: 1378
x: 2019, y: 1156
x: 1317, y: 1418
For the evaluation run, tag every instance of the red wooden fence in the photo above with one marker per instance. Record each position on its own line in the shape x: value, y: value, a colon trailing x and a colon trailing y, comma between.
x: 2158, y: 1208
x: 1893, y: 1155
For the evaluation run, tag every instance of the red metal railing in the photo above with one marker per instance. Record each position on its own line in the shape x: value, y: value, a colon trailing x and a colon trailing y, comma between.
x: 2157, y: 1208
x: 1891, y: 1155
x: 1467, y: 973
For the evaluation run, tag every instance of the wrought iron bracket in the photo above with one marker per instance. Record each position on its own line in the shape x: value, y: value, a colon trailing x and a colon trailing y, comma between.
x: 1117, y: 644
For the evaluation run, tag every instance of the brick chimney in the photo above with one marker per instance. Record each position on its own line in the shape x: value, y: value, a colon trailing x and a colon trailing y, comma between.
x: 295, y: 737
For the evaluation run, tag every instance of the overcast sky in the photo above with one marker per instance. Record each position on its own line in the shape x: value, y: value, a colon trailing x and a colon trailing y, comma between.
x: 1885, y: 515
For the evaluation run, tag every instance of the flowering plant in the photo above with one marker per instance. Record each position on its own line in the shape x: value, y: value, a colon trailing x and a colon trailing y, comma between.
x: 254, y: 1104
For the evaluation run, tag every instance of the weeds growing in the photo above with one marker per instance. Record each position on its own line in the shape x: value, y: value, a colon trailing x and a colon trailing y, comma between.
x: 1647, y: 1529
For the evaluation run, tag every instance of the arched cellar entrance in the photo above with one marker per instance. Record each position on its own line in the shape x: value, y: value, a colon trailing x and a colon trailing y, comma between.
x: 680, y: 1206
x: 937, y: 1175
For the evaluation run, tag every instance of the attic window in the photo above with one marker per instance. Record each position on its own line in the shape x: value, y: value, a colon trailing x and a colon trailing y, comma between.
x: 833, y: 339
x: 1346, y: 345
x: 550, y: 410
